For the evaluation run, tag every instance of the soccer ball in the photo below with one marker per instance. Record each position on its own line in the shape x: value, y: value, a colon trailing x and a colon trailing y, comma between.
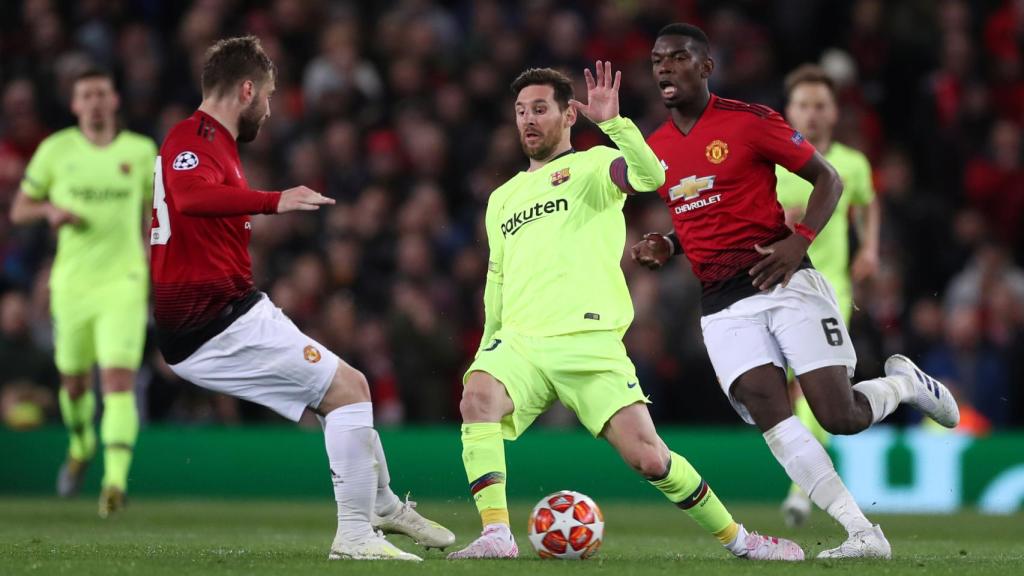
x: 566, y: 525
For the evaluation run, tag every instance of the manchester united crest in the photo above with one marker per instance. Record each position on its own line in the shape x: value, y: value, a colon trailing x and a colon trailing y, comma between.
x: 717, y: 151
x: 559, y: 177
x: 311, y: 354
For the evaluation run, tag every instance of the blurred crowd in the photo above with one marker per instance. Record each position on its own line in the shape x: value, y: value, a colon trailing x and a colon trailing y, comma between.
x: 400, y: 109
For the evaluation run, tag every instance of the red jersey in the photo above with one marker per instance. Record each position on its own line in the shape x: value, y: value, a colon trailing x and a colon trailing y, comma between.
x: 201, y: 270
x: 720, y: 188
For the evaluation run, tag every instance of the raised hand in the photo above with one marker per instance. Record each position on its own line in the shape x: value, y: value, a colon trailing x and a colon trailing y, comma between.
x: 602, y: 94
x: 301, y: 198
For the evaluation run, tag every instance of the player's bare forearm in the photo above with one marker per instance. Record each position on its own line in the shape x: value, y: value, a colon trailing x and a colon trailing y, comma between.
x: 825, y: 195
x: 782, y: 259
x: 868, y: 220
x: 26, y: 210
x: 644, y: 172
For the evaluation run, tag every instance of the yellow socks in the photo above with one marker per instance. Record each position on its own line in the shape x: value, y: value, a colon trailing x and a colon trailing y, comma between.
x: 119, y: 428
x: 78, y: 414
x: 684, y: 487
x: 483, y: 453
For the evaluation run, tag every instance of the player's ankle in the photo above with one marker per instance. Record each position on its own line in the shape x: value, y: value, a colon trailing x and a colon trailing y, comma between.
x: 738, y: 545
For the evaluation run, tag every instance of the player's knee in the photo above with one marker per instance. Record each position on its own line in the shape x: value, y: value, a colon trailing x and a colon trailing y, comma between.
x: 650, y: 460
x: 117, y: 380
x: 74, y: 385
x: 348, y: 386
x: 480, y: 402
x: 838, y: 423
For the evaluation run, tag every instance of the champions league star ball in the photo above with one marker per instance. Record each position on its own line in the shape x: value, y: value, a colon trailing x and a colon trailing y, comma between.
x: 566, y: 525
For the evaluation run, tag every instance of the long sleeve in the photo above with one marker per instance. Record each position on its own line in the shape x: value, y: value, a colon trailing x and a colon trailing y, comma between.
x: 639, y: 169
x: 195, y: 196
x: 495, y: 275
x: 492, y: 309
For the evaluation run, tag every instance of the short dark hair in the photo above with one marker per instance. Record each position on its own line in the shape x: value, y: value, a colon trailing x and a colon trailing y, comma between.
x: 561, y: 84
x: 808, y: 74
x: 688, y: 30
x: 233, y: 60
x: 90, y: 72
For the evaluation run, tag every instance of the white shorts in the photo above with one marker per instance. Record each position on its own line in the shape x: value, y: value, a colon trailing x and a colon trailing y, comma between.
x: 799, y: 326
x: 262, y: 357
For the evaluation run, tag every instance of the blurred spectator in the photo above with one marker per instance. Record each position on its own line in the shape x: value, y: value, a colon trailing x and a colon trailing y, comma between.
x: 401, y: 111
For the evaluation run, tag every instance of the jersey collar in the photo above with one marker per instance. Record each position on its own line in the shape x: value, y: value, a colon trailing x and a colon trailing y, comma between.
x: 710, y: 103
x: 200, y: 115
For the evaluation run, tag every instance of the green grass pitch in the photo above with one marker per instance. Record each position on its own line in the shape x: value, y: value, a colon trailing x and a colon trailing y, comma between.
x: 155, y: 537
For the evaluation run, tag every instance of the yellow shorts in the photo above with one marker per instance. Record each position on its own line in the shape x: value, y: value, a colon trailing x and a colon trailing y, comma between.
x: 105, y: 325
x: 589, y: 372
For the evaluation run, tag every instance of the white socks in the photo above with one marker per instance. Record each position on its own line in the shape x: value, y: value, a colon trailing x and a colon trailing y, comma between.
x: 810, y: 467
x: 738, y: 546
x: 350, y: 440
x: 387, y: 501
x: 884, y: 394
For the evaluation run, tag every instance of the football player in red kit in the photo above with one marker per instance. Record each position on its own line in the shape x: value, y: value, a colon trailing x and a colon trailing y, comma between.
x: 764, y: 306
x: 218, y: 331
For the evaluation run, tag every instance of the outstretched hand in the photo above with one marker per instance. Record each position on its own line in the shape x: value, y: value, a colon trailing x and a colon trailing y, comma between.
x: 301, y: 198
x: 602, y: 94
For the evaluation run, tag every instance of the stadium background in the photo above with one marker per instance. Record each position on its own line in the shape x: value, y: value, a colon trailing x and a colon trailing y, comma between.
x: 401, y: 111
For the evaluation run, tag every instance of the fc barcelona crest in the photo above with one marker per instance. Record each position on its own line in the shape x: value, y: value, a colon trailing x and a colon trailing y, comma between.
x: 559, y: 177
x: 716, y: 152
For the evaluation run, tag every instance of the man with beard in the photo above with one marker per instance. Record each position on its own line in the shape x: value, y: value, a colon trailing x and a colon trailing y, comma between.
x: 216, y: 330
x: 764, y: 306
x: 90, y: 182
x: 556, y: 307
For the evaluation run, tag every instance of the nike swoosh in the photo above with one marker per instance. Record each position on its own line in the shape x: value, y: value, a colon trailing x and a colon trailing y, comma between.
x: 632, y: 385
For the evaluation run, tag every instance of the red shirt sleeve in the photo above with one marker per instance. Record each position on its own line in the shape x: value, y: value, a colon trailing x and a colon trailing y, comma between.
x: 777, y: 141
x: 195, y: 179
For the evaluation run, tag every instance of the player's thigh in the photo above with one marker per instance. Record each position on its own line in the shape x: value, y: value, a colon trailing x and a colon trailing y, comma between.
x: 512, y: 360
x: 120, y: 328
x: 592, y: 376
x: 738, y: 340
x: 262, y: 357
x: 809, y: 326
x: 763, y: 394
x: 74, y: 344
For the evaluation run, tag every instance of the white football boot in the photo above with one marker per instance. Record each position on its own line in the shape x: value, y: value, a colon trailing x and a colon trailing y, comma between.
x: 933, y: 399
x: 495, y: 542
x: 796, y: 509
x: 406, y: 520
x: 374, y: 547
x: 869, y: 543
x: 760, y: 547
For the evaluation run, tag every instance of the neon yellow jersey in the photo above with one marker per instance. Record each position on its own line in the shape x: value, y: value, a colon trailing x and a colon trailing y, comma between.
x: 830, y: 251
x: 556, y: 237
x: 108, y: 188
